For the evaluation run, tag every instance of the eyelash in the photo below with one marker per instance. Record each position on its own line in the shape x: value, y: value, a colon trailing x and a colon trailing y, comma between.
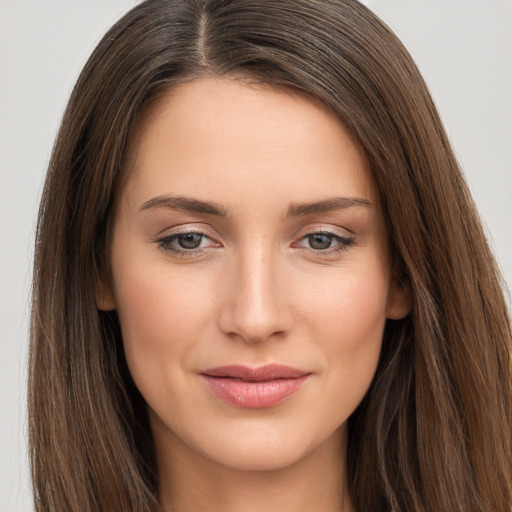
x: 165, y: 243
x: 343, y: 243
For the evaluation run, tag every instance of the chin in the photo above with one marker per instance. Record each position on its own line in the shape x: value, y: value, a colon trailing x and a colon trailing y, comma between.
x: 266, y: 448
x: 267, y: 458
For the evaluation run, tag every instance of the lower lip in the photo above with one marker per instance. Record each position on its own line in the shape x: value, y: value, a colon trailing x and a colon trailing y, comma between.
x: 254, y: 395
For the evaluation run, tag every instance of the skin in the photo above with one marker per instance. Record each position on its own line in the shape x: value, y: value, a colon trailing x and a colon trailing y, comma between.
x: 255, y: 291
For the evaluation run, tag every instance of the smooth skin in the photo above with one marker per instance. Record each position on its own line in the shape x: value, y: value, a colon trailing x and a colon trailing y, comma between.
x: 248, y: 232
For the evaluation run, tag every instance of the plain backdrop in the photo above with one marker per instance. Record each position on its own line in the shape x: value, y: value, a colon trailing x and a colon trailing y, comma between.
x: 463, y: 47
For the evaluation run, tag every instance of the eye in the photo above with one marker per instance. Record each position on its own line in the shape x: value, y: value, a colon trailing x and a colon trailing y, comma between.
x: 189, y: 240
x: 325, y: 242
x: 320, y: 241
x: 186, y: 243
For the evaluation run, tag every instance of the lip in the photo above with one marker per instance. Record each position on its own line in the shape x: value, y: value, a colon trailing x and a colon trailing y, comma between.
x: 255, y: 387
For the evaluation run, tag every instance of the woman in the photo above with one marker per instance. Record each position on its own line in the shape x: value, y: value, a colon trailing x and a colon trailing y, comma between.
x: 260, y: 280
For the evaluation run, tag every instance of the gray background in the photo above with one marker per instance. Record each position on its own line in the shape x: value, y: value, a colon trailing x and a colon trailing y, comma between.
x: 463, y: 47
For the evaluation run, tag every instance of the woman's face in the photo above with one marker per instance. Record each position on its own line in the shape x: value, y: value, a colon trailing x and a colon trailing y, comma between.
x: 250, y: 274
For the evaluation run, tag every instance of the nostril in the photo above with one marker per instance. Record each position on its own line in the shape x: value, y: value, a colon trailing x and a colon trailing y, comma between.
x: 256, y: 306
x: 255, y: 325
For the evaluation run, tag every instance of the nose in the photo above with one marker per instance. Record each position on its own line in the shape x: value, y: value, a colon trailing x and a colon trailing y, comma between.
x: 256, y: 306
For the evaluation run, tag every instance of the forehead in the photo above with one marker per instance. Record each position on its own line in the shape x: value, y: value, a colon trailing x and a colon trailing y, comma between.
x: 210, y: 136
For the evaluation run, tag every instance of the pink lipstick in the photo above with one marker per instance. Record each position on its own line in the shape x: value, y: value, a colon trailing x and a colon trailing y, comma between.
x: 254, y: 388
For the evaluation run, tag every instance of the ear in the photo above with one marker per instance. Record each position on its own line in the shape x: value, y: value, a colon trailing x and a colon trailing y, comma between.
x: 104, y: 294
x: 399, y: 299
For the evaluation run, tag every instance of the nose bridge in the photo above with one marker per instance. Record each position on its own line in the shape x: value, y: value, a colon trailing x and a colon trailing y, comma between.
x: 257, y: 306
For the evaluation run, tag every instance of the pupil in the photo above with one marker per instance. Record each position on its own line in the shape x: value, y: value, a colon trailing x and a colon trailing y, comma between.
x: 319, y: 241
x: 190, y: 240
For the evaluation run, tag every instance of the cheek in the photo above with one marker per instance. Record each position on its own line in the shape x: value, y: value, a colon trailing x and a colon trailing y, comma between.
x: 347, y: 321
x: 161, y: 314
x: 349, y: 309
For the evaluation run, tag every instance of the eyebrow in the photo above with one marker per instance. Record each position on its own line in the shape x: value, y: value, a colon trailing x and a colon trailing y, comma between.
x: 188, y: 204
x: 335, y: 203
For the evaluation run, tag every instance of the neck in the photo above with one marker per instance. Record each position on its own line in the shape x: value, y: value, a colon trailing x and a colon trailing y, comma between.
x: 190, y: 482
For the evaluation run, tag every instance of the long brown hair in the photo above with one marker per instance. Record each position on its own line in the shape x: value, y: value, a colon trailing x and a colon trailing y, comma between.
x: 434, y: 431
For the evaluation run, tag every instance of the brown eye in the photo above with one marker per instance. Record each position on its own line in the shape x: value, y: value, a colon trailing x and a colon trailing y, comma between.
x: 325, y: 243
x: 320, y: 241
x: 189, y: 240
x: 186, y: 243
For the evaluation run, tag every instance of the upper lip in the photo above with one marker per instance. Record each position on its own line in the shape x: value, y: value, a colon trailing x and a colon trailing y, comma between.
x: 256, y: 374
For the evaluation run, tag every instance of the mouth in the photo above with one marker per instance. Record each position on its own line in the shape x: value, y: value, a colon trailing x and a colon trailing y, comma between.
x: 255, y: 388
